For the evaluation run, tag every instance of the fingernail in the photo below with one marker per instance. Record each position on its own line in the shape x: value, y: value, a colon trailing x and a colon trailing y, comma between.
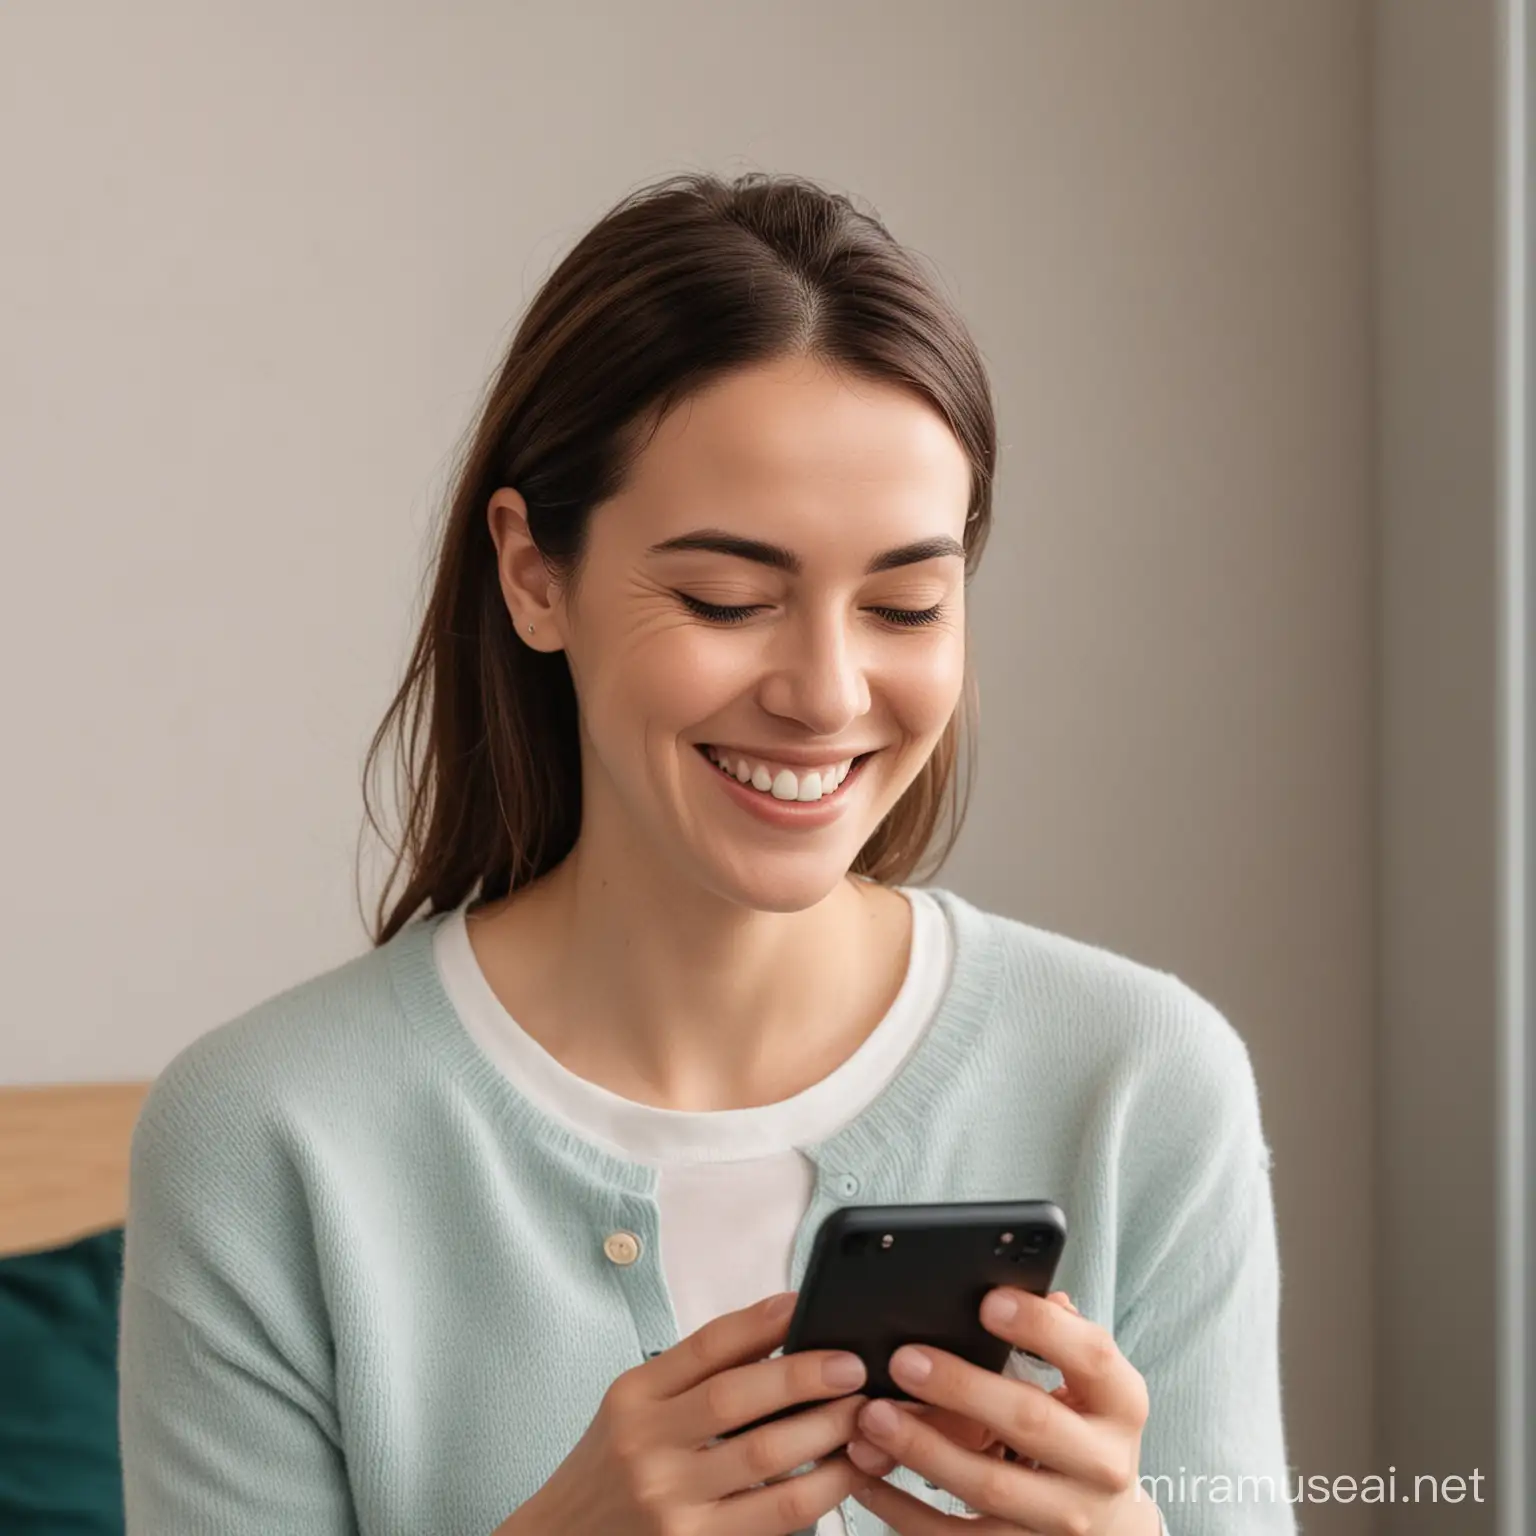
x: 843, y: 1371
x: 1002, y: 1306
x: 780, y: 1306
x: 865, y: 1456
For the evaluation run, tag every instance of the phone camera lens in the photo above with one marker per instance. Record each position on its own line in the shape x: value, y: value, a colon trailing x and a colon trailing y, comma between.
x: 1037, y: 1241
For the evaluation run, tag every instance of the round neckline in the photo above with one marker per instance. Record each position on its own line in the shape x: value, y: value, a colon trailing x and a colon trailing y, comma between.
x: 671, y: 1137
x: 964, y: 1010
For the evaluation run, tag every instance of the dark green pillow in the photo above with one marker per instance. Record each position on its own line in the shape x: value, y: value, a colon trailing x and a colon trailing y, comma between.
x: 60, y: 1473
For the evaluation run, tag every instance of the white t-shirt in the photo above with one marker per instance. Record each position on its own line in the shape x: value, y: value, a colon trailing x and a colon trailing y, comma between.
x: 715, y: 1164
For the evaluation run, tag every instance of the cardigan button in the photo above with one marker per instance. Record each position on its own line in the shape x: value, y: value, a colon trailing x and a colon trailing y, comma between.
x: 622, y: 1247
x: 847, y: 1186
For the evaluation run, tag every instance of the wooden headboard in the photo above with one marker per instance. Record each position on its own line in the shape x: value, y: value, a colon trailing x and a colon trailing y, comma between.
x: 64, y: 1161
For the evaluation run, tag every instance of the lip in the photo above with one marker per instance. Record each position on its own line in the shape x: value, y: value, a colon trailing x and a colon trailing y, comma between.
x: 802, y: 815
x: 787, y: 756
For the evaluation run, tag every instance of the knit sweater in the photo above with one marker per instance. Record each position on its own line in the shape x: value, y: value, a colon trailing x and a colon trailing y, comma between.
x: 369, y: 1287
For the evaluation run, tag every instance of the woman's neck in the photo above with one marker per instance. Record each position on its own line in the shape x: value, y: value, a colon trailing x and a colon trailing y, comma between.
x: 684, y: 1001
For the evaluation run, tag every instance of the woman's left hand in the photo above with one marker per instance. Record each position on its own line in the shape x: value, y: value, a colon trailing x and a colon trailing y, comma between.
x: 1080, y: 1445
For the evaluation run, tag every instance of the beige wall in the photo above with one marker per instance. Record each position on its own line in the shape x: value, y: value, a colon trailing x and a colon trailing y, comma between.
x: 1177, y: 616
x: 1435, y: 176
x: 265, y: 262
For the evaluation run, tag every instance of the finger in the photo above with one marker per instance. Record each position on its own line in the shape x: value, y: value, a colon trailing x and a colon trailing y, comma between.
x: 963, y: 1430
x: 733, y: 1338
x: 1021, y: 1414
x: 1063, y: 1394
x: 960, y: 1427
x: 797, y: 1503
x: 1102, y: 1380
x: 878, y: 1464
x: 732, y: 1402
x: 775, y: 1450
x: 870, y: 1458
x: 1024, y: 1499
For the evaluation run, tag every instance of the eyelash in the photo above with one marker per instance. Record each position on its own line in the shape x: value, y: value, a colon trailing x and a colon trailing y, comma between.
x: 903, y: 618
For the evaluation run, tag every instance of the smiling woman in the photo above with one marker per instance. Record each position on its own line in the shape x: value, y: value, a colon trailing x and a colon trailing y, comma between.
x: 752, y: 466
x: 818, y: 617
x: 481, y: 1231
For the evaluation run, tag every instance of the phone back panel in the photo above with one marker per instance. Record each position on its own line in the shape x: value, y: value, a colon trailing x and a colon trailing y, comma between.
x: 881, y: 1276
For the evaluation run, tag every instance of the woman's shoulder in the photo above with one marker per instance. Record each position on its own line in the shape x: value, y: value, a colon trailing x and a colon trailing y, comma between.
x: 1075, y: 1009
x: 329, y: 1041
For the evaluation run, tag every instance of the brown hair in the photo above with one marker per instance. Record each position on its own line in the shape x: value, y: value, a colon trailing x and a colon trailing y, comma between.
x: 679, y: 283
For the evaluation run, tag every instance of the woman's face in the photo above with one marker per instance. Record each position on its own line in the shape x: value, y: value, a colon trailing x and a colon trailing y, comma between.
x: 779, y: 587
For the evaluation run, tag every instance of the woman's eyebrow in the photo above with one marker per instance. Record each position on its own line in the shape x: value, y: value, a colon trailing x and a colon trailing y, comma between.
x: 782, y: 559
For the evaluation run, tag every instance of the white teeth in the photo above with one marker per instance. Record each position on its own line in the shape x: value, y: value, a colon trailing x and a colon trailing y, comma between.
x: 785, y: 784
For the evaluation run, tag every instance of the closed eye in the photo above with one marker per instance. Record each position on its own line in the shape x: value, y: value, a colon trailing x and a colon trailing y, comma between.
x: 719, y: 613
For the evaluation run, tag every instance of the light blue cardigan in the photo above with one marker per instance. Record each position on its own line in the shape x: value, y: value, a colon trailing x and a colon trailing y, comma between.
x: 366, y: 1290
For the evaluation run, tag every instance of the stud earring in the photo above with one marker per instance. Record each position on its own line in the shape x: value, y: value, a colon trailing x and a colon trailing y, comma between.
x: 530, y: 629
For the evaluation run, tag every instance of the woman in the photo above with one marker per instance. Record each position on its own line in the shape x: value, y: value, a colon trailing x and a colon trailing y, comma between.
x: 481, y: 1231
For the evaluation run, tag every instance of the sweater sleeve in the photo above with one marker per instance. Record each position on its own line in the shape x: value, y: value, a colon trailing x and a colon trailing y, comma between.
x: 227, y: 1404
x: 213, y: 1444
x: 1198, y: 1303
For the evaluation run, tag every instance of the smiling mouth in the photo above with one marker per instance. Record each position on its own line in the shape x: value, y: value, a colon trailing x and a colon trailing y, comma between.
x: 788, y: 786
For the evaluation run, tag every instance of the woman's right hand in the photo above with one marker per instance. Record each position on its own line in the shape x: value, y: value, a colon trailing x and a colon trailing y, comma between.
x: 646, y: 1467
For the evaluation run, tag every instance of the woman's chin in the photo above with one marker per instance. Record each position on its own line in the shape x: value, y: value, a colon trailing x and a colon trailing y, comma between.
x: 787, y: 883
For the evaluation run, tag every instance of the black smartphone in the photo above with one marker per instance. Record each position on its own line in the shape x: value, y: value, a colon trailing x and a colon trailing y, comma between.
x: 881, y: 1276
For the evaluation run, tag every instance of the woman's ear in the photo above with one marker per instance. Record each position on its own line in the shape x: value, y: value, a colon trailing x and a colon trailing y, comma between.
x: 530, y: 591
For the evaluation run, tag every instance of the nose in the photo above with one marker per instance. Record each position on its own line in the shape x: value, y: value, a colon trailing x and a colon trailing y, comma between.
x: 818, y: 677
